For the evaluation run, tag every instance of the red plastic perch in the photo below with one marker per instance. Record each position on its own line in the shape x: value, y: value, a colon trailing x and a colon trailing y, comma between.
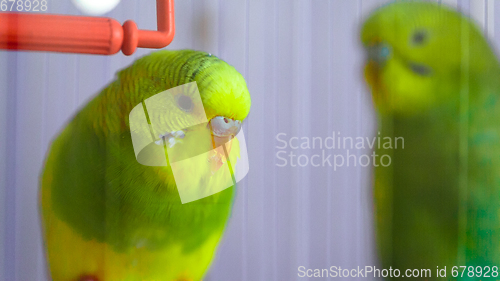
x: 88, y: 35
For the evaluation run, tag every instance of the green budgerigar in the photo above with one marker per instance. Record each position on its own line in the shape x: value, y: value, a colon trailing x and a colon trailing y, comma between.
x: 106, y: 216
x: 435, y: 82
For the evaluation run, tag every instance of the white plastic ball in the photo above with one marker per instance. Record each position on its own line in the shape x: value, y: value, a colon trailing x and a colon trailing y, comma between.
x: 95, y: 7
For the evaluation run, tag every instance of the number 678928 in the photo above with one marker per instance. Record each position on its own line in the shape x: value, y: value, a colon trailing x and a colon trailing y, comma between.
x: 475, y: 271
x: 23, y: 5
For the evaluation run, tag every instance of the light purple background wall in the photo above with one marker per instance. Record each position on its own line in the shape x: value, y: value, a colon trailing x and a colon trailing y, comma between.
x: 302, y: 62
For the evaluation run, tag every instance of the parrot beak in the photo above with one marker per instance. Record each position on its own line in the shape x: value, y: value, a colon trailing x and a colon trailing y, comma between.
x: 218, y: 141
x: 223, y: 129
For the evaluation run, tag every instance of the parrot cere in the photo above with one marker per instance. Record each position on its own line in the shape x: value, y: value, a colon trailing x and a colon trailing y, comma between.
x: 106, y: 216
x: 435, y: 81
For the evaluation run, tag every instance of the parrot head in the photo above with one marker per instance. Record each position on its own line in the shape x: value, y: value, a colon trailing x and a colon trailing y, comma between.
x: 224, y: 95
x: 416, y: 53
x: 190, y: 119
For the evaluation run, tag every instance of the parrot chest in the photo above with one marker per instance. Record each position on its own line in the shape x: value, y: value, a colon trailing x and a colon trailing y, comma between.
x: 103, y: 217
x: 420, y: 197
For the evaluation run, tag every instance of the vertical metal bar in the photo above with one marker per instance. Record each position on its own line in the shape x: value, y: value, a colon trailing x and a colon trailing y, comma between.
x: 358, y: 190
x: 329, y: 182
x: 244, y: 260
x: 10, y: 172
x: 463, y: 144
x: 4, y: 78
x: 490, y: 18
x: 274, y: 233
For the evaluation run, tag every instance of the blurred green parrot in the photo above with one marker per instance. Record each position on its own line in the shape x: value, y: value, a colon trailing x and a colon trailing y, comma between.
x: 435, y: 82
x: 106, y: 216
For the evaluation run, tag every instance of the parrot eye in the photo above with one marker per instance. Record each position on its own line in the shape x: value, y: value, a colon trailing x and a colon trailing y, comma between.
x: 185, y: 103
x: 419, y: 37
